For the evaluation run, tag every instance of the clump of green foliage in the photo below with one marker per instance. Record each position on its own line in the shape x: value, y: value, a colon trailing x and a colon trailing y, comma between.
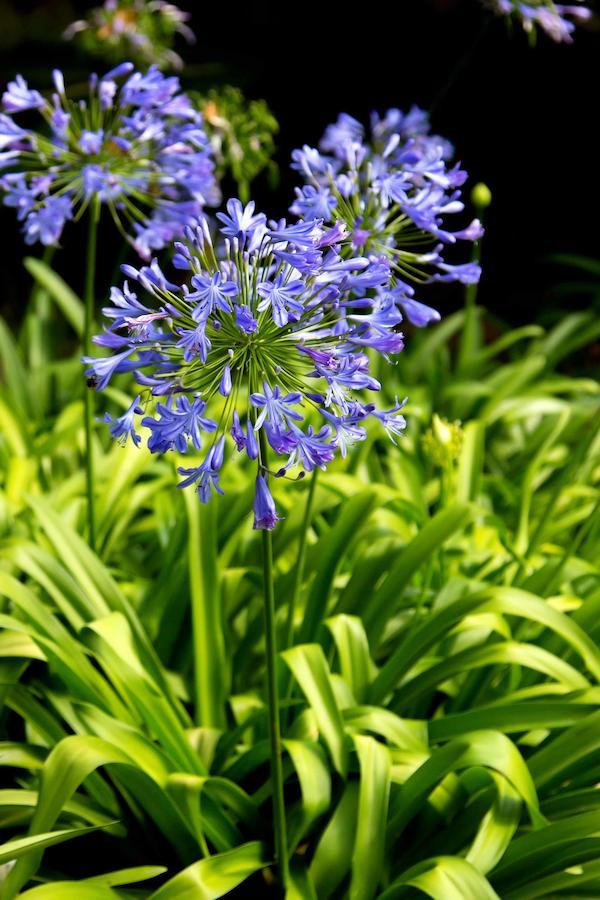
x: 141, y: 30
x: 441, y: 657
x: 242, y: 133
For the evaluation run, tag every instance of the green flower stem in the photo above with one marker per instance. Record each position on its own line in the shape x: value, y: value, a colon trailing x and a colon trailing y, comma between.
x: 89, y: 298
x: 300, y: 563
x: 470, y: 337
x: 279, y: 825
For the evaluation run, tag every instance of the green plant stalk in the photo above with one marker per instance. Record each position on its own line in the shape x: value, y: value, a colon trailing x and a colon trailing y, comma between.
x: 210, y: 663
x: 287, y: 682
x: 301, y: 561
x: 470, y: 338
x: 90, y: 277
x: 279, y: 824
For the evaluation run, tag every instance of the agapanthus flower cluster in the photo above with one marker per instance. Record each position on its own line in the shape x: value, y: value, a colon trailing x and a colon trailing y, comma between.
x: 264, y: 348
x: 143, y: 30
x: 135, y: 144
x: 394, y: 191
x: 556, y: 19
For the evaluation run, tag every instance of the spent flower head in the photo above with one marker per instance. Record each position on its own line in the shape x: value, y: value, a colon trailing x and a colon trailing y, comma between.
x: 135, y: 144
x: 142, y: 30
x: 264, y: 348
x: 557, y: 20
x: 242, y: 134
x: 394, y: 190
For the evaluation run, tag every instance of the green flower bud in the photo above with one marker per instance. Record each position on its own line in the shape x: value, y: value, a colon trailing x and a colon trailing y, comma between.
x: 481, y: 196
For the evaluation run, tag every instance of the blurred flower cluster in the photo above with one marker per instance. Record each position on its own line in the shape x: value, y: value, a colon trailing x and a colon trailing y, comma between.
x: 241, y: 134
x: 142, y: 30
x: 557, y: 20
x: 394, y: 191
x: 135, y: 144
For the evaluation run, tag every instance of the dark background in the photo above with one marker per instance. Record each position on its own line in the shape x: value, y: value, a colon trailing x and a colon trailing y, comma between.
x: 523, y: 119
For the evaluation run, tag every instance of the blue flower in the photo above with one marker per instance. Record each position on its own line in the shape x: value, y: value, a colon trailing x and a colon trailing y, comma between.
x: 175, y: 426
x: 314, y: 203
x: 347, y: 430
x: 46, y: 222
x: 467, y: 273
x: 214, y: 292
x: 310, y: 449
x: 11, y: 134
x: 102, y: 370
x: 301, y: 234
x: 96, y: 179
x: 392, y: 421
x: 18, y: 96
x: 206, y: 475
x: 281, y: 296
x: 90, y: 142
x: 265, y: 513
x: 245, y: 320
x: 19, y: 194
x: 124, y: 426
x: 417, y: 313
x: 194, y: 342
x: 240, y: 222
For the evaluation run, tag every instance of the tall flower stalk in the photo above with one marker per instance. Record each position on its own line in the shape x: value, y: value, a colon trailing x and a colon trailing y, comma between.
x: 279, y: 819
x: 88, y: 322
x: 261, y: 342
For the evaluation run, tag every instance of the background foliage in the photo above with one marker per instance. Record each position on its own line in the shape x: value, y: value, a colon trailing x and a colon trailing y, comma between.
x: 442, y: 698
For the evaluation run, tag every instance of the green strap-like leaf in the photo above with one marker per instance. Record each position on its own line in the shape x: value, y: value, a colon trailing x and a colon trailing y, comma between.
x: 497, y: 827
x: 373, y: 797
x: 315, y: 786
x: 210, y: 659
x: 385, y: 599
x: 309, y: 667
x: 333, y: 856
x: 444, y: 878
x: 67, y: 301
x: 22, y: 846
x: 329, y: 551
x: 71, y: 761
x: 352, y: 646
x: 504, y: 600
x: 216, y: 876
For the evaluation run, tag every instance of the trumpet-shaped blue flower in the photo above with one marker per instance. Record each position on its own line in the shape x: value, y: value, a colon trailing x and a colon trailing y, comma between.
x: 206, y: 475
x: 124, y: 426
x: 265, y: 513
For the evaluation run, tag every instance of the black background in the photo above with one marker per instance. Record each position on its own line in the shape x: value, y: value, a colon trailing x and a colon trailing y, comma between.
x: 523, y: 119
